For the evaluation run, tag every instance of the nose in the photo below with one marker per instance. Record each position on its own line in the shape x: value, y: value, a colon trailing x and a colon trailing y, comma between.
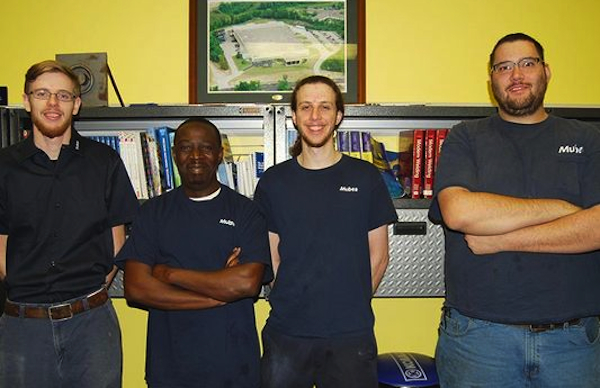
x: 516, y: 73
x: 315, y: 113
x: 196, y: 153
x: 53, y: 100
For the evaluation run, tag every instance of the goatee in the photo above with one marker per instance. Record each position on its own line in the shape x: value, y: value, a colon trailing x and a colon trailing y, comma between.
x: 51, y: 131
x: 314, y: 144
x: 524, y: 106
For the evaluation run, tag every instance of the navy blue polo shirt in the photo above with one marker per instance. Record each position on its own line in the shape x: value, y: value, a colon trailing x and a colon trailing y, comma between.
x: 58, y: 217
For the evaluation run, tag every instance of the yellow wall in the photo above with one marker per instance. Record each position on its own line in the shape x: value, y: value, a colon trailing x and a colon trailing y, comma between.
x: 431, y: 51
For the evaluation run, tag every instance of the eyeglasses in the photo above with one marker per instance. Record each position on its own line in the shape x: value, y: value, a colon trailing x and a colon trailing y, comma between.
x: 525, y: 64
x: 45, y: 94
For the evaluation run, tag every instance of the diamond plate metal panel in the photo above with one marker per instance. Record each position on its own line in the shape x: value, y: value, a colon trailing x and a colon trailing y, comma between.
x: 116, y: 288
x: 416, y: 261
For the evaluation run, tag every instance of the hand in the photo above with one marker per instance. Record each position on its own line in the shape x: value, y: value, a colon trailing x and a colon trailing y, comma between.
x: 161, y: 272
x: 484, y: 245
x: 233, y: 258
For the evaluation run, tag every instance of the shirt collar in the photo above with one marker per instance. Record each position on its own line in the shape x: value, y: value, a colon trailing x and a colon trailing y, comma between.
x: 26, y: 149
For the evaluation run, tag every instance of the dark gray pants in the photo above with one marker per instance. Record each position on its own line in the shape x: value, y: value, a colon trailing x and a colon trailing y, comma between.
x: 292, y: 362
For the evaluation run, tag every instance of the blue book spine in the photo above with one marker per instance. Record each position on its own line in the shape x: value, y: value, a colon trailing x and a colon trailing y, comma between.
x: 260, y: 163
x: 164, y: 143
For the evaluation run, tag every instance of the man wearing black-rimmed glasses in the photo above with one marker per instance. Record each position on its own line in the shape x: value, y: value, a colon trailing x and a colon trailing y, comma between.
x: 64, y: 201
x: 519, y: 195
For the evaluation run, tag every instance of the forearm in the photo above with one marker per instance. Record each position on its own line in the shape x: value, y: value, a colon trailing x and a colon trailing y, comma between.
x: 227, y: 285
x: 3, y: 242
x: 119, y: 237
x: 482, y: 214
x: 110, y: 277
x: 379, y: 254
x: 575, y: 233
x: 275, y: 258
x: 377, y: 272
x: 142, y: 288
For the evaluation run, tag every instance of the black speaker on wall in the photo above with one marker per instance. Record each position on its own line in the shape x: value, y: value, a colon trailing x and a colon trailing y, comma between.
x: 3, y: 95
x: 92, y: 70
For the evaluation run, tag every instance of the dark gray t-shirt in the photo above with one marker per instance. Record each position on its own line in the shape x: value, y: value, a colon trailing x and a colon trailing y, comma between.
x: 557, y: 158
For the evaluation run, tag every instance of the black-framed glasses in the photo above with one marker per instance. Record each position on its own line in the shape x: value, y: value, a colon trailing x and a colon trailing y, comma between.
x: 525, y: 64
x: 45, y: 94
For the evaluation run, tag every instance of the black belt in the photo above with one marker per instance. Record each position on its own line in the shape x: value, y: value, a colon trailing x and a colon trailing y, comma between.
x: 57, y: 311
x: 541, y: 327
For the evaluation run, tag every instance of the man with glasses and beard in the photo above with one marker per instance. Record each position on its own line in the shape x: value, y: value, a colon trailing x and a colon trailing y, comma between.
x: 64, y: 200
x: 518, y: 195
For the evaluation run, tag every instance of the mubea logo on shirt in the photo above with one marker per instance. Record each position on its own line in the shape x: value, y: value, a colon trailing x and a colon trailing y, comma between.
x: 226, y: 222
x: 349, y: 189
x: 570, y: 149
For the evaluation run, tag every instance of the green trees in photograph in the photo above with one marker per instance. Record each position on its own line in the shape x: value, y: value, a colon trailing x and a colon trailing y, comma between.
x: 216, y: 53
x: 296, y: 12
x: 284, y: 84
x: 335, y: 63
x: 244, y: 86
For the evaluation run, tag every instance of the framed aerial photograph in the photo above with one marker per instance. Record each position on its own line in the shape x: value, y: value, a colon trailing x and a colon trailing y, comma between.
x: 256, y: 50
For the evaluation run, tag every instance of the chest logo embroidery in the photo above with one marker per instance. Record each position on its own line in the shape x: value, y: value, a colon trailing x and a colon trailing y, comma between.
x: 226, y: 222
x: 349, y: 189
x: 570, y: 149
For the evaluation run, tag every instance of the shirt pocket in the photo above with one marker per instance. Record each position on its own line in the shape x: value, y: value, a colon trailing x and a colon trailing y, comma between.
x: 569, y: 169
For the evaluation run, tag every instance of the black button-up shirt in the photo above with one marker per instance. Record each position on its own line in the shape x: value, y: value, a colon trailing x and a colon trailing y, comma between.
x: 59, y: 215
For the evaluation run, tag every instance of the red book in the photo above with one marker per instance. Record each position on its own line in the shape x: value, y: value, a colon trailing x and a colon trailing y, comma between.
x: 429, y: 163
x: 417, y: 174
x: 439, y: 140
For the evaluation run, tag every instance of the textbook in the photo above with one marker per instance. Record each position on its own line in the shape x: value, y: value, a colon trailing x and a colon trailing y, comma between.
x: 417, y: 170
x: 381, y: 161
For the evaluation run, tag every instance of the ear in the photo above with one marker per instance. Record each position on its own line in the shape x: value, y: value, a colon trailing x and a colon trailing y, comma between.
x: 294, y: 118
x: 548, y: 72
x: 339, y: 118
x: 26, y: 103
x: 221, y: 155
x: 76, y: 105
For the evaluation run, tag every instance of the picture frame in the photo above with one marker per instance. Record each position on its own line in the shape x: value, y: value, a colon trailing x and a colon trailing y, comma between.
x: 260, y: 48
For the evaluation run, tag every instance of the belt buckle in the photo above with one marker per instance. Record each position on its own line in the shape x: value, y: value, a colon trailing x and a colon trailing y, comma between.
x: 51, y: 308
x: 540, y: 328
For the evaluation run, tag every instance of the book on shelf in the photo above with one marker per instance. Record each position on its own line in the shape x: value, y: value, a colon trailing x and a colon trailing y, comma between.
x: 166, y: 161
x: 417, y: 164
x: 381, y: 161
x: 343, y: 142
x: 366, y: 150
x: 429, y: 162
x: 147, y: 165
x: 355, y: 144
x: 153, y: 162
x: 441, y: 135
x: 176, y: 176
x: 259, y: 158
x: 291, y: 136
x: 129, y: 154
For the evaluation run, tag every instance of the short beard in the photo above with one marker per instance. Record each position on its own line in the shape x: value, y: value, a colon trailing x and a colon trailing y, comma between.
x: 51, y: 132
x: 312, y: 144
x: 521, y: 108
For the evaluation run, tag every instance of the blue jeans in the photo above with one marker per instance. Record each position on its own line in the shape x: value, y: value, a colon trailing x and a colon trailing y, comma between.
x: 83, y: 351
x: 293, y: 362
x: 476, y: 353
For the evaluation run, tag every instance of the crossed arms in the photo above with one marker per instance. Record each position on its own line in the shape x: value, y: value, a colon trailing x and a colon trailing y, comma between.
x: 495, y: 223
x: 170, y: 288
